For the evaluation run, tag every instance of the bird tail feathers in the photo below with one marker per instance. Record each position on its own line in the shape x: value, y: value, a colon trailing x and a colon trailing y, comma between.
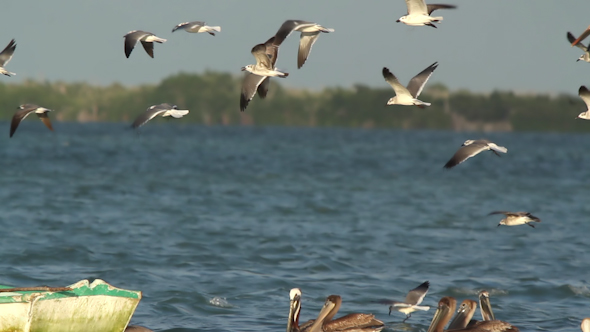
x: 177, y: 113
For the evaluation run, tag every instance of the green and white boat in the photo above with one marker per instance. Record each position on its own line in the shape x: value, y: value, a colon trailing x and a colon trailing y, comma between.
x: 83, y: 306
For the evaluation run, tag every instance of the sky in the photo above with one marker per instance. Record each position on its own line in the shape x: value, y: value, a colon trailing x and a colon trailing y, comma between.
x: 481, y: 46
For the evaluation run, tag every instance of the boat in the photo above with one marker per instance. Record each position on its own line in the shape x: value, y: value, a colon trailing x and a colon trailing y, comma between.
x: 83, y: 306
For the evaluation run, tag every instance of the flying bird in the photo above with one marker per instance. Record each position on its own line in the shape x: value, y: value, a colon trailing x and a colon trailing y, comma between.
x: 26, y: 109
x: 472, y: 147
x: 586, y: 55
x: 584, y: 93
x: 309, y: 34
x: 516, y: 218
x: 5, y: 57
x: 147, y: 40
x: 197, y: 27
x: 584, y: 34
x: 419, y: 13
x: 411, y: 303
x: 266, y: 56
x: 409, y: 95
x: 163, y: 110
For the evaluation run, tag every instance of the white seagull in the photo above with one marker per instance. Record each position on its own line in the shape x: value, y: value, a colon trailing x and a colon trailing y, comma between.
x: 412, y: 301
x: 516, y: 218
x: 5, y: 57
x: 26, y: 109
x: 584, y: 34
x: 584, y: 93
x: 147, y: 40
x: 309, y: 34
x: 409, y: 95
x: 419, y: 13
x: 586, y: 55
x: 163, y: 110
x: 197, y: 27
x: 472, y: 147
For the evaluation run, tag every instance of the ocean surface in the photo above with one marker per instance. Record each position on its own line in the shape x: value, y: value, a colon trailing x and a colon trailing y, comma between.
x: 216, y: 224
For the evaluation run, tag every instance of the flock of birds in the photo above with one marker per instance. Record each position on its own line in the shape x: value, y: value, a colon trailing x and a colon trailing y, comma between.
x: 256, y: 81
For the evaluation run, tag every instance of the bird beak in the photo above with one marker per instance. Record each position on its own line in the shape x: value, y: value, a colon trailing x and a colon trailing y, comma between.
x: 243, y: 68
x: 397, y: 21
x: 577, y: 60
x: 498, y: 225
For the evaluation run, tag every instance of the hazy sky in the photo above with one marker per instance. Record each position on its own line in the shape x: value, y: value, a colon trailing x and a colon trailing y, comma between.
x: 481, y: 46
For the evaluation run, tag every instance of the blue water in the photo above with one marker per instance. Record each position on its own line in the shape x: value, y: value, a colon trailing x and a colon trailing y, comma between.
x: 215, y: 224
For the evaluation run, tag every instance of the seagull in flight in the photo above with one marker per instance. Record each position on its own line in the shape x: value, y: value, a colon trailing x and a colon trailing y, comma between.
x: 309, y: 34
x: 586, y: 55
x: 409, y: 95
x: 147, y: 40
x: 26, y: 109
x: 163, y: 110
x: 5, y: 57
x: 516, y: 218
x: 472, y: 147
x: 197, y: 27
x: 584, y: 93
x: 411, y: 303
x: 584, y: 34
x: 419, y: 13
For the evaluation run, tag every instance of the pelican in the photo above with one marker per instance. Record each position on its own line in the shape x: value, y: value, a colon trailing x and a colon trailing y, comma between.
x: 516, y: 218
x: 164, y: 109
x: 485, y: 307
x: 5, y: 57
x: 26, y: 109
x: 147, y: 40
x: 197, y: 27
x: 444, y: 312
x: 585, y: 325
x: 586, y: 55
x: 584, y: 34
x: 309, y: 34
x: 419, y: 13
x: 464, y: 314
x: 471, y: 148
x: 584, y: 93
x: 412, y: 301
x: 315, y: 325
x: 408, y: 96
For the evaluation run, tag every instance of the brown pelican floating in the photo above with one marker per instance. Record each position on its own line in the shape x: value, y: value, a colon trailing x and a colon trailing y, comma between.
x: 147, y: 40
x: 26, y: 109
x: 5, y: 57
x: 137, y: 328
x: 584, y: 34
x: 585, y: 325
x: 197, y: 27
x: 485, y: 307
x: 411, y: 303
x: 464, y: 314
x: 315, y: 325
x: 163, y: 110
x: 516, y: 218
x: 309, y: 34
x: 419, y: 13
x: 586, y: 55
x: 471, y: 148
x: 444, y: 312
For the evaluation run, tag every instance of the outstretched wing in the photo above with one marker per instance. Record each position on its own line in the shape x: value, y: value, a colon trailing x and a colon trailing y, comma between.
x: 394, y: 82
x: 433, y: 7
x: 249, y: 86
x: 416, y: 295
x: 418, y: 82
x: 6, y: 54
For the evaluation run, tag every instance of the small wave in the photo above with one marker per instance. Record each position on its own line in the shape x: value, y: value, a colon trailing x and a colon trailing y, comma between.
x: 220, y: 302
x: 471, y: 291
x: 583, y: 290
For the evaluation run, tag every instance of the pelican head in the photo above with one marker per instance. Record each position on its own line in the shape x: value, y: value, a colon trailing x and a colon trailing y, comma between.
x: 444, y: 312
x: 328, y: 307
x: 485, y: 306
x: 294, y: 310
x: 464, y: 315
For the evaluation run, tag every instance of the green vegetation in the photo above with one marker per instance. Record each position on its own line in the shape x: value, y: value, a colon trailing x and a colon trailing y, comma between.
x: 213, y: 98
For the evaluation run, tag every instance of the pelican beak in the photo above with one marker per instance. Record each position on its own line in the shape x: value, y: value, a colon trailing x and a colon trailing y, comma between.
x: 486, y: 308
x: 441, y: 312
x: 319, y: 322
x: 294, y: 307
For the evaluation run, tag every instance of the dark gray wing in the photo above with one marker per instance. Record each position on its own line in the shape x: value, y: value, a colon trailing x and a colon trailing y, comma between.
x: 306, y: 41
x: 131, y: 39
x: 149, y: 114
x: 528, y: 214
x: 249, y: 86
x: 571, y: 39
x: 464, y: 153
x: 189, y: 25
x: 6, y: 54
x: 262, y: 59
x: 416, y: 295
x: 432, y: 7
x: 584, y: 34
x: 286, y: 28
x: 148, y: 47
x: 263, y: 87
x: 418, y: 82
x: 23, y: 112
x: 506, y: 213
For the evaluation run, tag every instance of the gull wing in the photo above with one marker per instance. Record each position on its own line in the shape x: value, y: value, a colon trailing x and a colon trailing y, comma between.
x: 418, y: 82
x: 249, y: 86
x: 286, y: 28
x: 263, y: 87
x: 416, y: 295
x: 149, y: 114
x: 416, y: 7
x: 45, y: 119
x: 584, y: 34
x: 262, y: 59
x: 394, y: 82
x: 433, y: 7
x: 188, y: 25
x: 148, y: 47
x: 21, y: 114
x: 464, y: 153
x: 584, y: 93
x: 305, y: 43
x: 6, y: 54
x: 506, y: 213
x: 131, y: 39
x: 571, y: 39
